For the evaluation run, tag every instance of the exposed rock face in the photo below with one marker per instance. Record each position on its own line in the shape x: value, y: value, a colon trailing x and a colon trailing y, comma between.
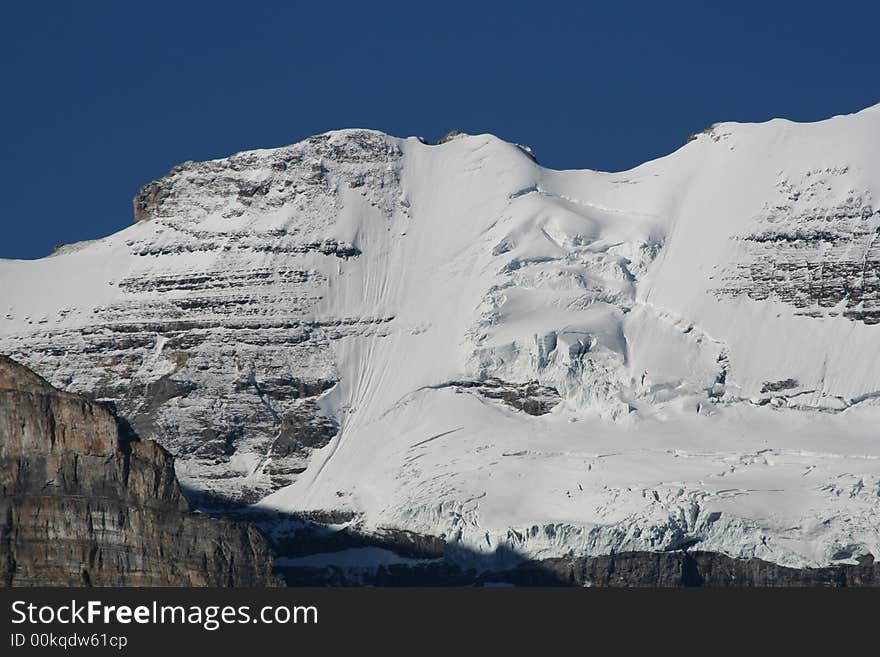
x: 681, y: 568
x: 451, y: 135
x: 84, y: 502
x: 817, y: 248
x: 212, y: 343
x: 531, y: 398
x: 629, y: 569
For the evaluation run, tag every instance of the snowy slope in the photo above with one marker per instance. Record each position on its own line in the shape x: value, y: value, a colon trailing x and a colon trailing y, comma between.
x: 357, y: 322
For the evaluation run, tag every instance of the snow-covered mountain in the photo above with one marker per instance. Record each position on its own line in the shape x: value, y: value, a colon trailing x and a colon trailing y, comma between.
x: 455, y: 341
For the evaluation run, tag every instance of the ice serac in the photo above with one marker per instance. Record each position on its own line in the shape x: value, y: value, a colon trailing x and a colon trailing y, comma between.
x: 85, y: 503
x: 524, y: 363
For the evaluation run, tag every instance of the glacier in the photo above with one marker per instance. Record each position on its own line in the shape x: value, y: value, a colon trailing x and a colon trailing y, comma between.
x: 452, y: 340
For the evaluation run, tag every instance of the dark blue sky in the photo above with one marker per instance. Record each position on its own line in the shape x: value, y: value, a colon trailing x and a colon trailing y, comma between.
x: 100, y: 97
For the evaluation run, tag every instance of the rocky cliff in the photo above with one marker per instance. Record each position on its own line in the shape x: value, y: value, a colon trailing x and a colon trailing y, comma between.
x: 83, y: 501
x: 688, y: 569
x: 678, y: 569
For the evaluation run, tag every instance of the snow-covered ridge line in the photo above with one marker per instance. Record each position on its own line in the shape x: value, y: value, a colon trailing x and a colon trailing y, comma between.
x: 441, y: 338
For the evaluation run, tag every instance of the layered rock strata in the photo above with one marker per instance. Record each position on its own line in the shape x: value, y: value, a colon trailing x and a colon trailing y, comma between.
x: 84, y: 502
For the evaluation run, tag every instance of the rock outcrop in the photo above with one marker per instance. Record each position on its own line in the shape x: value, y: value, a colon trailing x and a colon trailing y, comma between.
x: 815, y: 247
x: 83, y: 501
x: 687, y: 569
x: 212, y: 346
x: 629, y: 569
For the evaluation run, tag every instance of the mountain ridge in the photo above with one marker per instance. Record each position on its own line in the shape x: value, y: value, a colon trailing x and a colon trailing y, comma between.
x: 355, y: 322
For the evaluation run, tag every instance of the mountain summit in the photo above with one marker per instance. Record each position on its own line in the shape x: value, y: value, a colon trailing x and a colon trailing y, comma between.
x: 454, y: 341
